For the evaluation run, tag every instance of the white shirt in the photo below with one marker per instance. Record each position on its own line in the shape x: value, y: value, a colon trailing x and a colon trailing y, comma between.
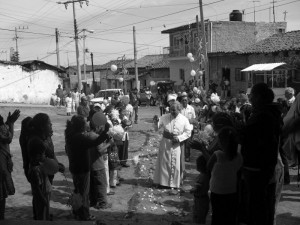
x: 189, y: 112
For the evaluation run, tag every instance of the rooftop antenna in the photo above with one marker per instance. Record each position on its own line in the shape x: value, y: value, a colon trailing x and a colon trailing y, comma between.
x: 285, y: 12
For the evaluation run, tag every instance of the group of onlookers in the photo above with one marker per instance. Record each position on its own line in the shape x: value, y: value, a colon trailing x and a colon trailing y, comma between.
x: 243, y: 146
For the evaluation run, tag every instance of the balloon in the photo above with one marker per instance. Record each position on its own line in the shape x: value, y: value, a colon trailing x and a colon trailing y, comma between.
x: 200, y: 72
x: 195, y: 89
x: 113, y: 68
x: 192, y: 59
x: 152, y: 83
x: 121, y: 79
x: 189, y: 55
x: 193, y: 73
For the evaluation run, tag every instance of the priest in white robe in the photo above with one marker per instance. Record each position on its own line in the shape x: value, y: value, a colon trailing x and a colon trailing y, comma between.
x: 176, y: 128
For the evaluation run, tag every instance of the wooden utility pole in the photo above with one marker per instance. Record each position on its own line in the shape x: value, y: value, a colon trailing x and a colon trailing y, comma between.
x: 57, y: 47
x: 76, y: 36
x: 94, y: 83
x: 135, y: 59
x: 273, y: 11
x: 199, y: 49
x: 204, y: 47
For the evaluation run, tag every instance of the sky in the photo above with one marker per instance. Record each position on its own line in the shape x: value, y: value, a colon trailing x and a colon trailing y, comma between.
x: 112, y: 24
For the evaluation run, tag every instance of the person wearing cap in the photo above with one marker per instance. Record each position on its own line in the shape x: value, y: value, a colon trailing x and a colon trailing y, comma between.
x: 83, y: 109
x: 197, y: 108
x: 189, y: 112
x: 170, y: 100
x: 98, y: 154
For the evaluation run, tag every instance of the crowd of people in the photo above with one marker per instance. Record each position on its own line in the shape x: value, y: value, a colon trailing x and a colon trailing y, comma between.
x: 244, y: 144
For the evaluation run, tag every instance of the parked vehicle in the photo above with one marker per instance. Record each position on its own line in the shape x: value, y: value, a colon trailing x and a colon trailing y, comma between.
x: 106, y: 94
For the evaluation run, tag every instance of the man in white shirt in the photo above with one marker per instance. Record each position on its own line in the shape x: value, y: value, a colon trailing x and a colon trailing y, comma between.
x: 189, y: 112
x: 289, y: 94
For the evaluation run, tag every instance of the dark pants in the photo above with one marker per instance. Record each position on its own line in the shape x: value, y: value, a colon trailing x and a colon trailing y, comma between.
x: 136, y: 113
x: 2, y: 208
x: 123, y: 152
x: 98, y: 187
x: 259, y: 198
x: 162, y: 110
x: 187, y: 149
x: 40, y: 209
x: 285, y: 162
x: 224, y: 209
x: 201, y: 207
x: 82, y: 186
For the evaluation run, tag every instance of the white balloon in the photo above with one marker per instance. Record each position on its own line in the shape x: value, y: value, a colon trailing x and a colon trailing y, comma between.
x: 193, y: 73
x: 121, y: 79
x: 195, y: 89
x: 189, y: 55
x: 200, y: 72
x: 192, y: 59
x: 113, y: 68
x: 152, y: 83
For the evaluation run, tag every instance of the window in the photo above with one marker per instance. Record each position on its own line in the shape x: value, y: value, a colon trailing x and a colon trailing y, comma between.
x: 281, y: 30
x: 181, y: 74
x: 296, y: 76
x: 239, y: 76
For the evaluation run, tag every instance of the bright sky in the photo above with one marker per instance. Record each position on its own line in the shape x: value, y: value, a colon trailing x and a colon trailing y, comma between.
x: 113, y: 21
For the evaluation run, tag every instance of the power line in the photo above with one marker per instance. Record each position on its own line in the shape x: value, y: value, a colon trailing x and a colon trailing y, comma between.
x: 169, y: 14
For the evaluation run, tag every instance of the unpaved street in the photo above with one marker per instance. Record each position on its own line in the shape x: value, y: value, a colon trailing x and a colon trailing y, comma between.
x: 135, y: 201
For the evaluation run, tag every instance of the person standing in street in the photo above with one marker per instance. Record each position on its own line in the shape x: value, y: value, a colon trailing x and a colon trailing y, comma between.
x: 60, y: 94
x: 6, y: 165
x: 83, y: 109
x: 134, y: 101
x: 189, y: 112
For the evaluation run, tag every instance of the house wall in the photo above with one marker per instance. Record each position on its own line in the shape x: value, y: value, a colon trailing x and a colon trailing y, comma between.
x: 231, y: 62
x: 19, y: 86
x: 224, y: 36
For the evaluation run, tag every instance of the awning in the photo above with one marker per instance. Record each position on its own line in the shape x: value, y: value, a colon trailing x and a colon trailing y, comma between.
x: 263, y: 67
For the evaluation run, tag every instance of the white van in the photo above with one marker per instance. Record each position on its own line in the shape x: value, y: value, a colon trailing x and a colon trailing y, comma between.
x: 106, y: 94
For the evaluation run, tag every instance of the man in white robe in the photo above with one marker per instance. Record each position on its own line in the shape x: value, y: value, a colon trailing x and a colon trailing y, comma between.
x: 176, y: 129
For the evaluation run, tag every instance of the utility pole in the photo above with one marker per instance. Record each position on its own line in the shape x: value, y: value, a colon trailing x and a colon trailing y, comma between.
x: 76, y: 36
x: 85, y: 51
x: 16, y: 54
x: 94, y: 83
x: 135, y: 59
x: 204, y: 47
x: 199, y: 47
x: 273, y: 11
x: 57, y: 47
x: 254, y: 11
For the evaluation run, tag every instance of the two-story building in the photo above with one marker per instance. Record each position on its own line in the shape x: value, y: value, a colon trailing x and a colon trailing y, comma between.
x: 221, y: 37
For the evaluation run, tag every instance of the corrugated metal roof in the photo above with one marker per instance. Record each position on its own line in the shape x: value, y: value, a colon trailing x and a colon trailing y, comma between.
x: 263, y: 67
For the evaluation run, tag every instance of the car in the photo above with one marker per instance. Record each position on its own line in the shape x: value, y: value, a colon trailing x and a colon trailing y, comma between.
x: 106, y: 94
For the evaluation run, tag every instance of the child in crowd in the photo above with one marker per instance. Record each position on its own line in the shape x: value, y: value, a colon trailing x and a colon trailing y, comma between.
x: 68, y: 104
x: 224, y: 165
x: 40, y: 169
x: 200, y: 191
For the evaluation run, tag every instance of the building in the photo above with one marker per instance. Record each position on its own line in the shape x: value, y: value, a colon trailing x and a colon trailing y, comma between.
x: 222, y: 37
x: 282, y: 47
x: 31, y: 82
